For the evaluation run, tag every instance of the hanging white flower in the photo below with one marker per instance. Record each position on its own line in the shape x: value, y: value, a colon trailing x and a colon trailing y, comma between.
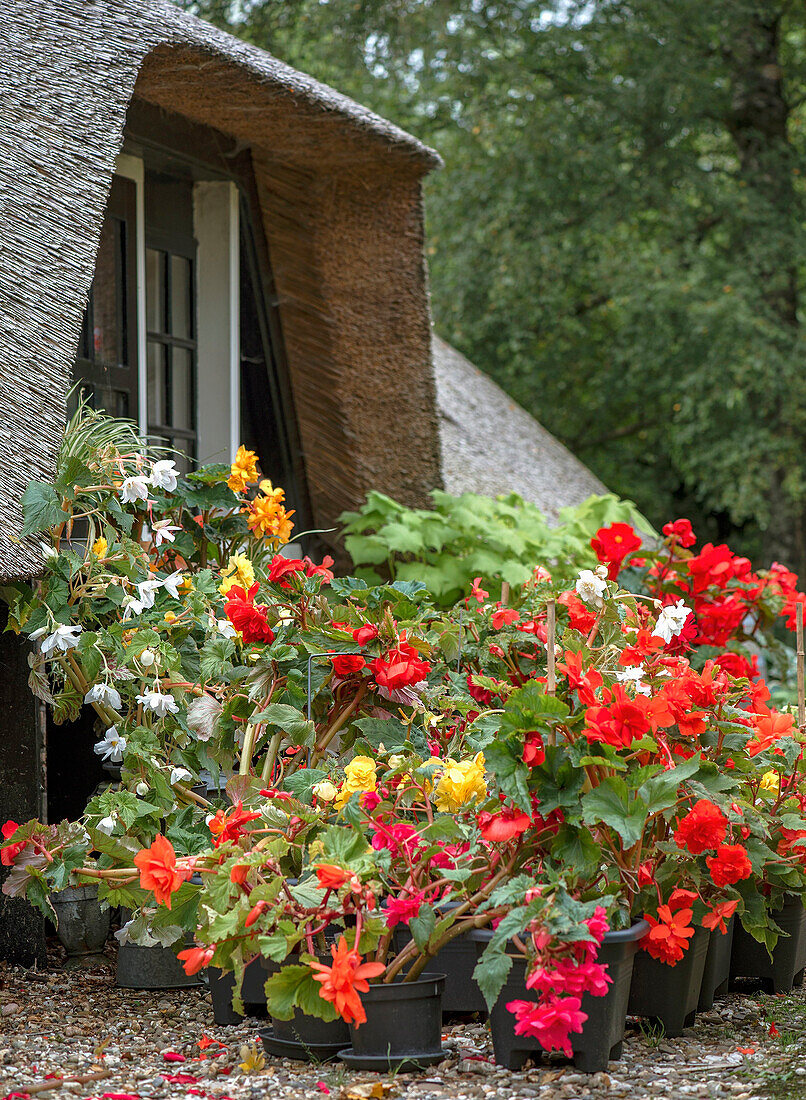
x: 671, y: 620
x: 158, y: 703
x: 171, y: 584
x: 591, y: 588
x: 112, y: 747
x: 633, y: 674
x: 147, y: 658
x: 105, y: 694
x: 62, y: 638
x: 225, y: 628
x: 164, y: 474
x: 107, y: 824
x: 49, y: 553
x: 134, y: 488
x: 131, y: 606
x: 178, y: 774
x: 164, y: 531
x: 147, y: 592
x: 142, y: 789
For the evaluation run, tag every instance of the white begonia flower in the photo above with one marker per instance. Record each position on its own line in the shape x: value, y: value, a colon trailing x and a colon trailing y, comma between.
x: 158, y: 703
x: 147, y: 592
x: 142, y: 789
x: 601, y: 571
x: 107, y: 824
x: 131, y: 606
x: 164, y: 474
x: 178, y: 774
x: 48, y: 552
x: 106, y: 694
x: 164, y: 532
x: 634, y: 674
x: 147, y: 658
x: 671, y: 620
x: 171, y: 583
x: 225, y: 628
x: 61, y: 639
x: 325, y: 791
x: 112, y: 747
x: 591, y: 588
x: 134, y: 488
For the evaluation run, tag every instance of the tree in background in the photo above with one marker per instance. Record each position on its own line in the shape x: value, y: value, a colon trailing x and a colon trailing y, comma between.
x: 618, y: 234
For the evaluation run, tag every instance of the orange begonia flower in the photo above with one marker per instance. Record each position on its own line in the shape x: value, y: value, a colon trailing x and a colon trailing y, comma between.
x: 158, y: 870
x: 344, y: 980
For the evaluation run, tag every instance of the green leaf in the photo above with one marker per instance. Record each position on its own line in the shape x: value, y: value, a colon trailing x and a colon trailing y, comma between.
x: 610, y: 803
x: 293, y: 987
x: 422, y: 926
x: 491, y: 973
x: 290, y: 720
x: 41, y: 508
x: 389, y: 732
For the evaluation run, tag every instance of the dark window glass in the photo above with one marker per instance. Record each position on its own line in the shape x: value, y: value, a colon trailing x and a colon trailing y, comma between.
x: 106, y: 364
x: 170, y: 312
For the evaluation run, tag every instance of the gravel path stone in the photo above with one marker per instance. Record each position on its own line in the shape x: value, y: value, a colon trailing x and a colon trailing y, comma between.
x: 76, y: 1024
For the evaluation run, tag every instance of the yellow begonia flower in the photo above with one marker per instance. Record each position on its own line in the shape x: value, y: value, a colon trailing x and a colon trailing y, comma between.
x: 461, y: 782
x: 243, y: 470
x: 269, y: 518
x: 100, y: 547
x: 239, y: 572
x: 359, y: 776
x: 770, y: 781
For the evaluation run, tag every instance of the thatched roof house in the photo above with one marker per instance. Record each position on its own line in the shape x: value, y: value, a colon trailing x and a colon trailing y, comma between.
x: 490, y: 445
x: 212, y: 140
x: 218, y: 247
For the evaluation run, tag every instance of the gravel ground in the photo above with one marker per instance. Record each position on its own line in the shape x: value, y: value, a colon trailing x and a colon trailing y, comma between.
x: 75, y: 1023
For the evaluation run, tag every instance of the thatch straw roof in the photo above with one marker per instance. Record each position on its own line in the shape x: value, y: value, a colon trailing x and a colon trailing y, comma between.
x: 342, y: 209
x: 490, y: 445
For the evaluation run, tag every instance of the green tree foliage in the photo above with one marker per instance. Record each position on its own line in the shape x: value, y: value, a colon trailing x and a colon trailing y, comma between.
x: 617, y: 236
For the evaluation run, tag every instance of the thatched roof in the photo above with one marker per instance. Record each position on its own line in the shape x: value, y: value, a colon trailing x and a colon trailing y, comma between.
x: 490, y: 445
x: 341, y: 200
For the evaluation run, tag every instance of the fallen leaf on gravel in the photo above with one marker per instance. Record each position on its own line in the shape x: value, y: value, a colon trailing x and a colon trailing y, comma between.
x: 374, y: 1091
x: 252, y: 1059
x: 172, y: 1056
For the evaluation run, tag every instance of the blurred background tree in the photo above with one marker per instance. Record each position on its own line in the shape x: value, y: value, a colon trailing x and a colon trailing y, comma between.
x: 618, y: 234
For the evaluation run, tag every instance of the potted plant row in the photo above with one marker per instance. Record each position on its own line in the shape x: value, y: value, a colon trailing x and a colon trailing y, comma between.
x: 583, y: 790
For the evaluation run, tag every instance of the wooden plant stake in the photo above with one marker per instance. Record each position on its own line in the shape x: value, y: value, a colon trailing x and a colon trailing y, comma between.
x: 551, y: 675
x: 504, y: 594
x: 801, y: 686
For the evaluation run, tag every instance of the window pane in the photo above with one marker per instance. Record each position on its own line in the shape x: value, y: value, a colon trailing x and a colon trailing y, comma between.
x: 155, y: 290
x: 109, y: 296
x: 181, y: 389
x: 180, y: 298
x: 156, y: 383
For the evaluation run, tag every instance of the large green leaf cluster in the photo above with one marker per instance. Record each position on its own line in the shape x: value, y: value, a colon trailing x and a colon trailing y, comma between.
x: 501, y: 539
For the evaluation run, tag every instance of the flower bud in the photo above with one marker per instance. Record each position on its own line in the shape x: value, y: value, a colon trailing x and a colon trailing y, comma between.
x: 147, y: 658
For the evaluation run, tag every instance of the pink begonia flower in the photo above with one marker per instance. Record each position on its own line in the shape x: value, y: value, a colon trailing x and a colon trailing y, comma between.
x: 598, y: 923
x: 401, y: 910
x: 569, y: 976
x: 550, y: 1022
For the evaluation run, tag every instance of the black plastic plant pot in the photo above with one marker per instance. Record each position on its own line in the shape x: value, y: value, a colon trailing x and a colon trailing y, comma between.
x: 151, y: 968
x: 716, y: 975
x: 670, y: 994
x: 457, y: 961
x: 750, y: 959
x: 253, y: 994
x: 602, y: 1033
x: 305, y: 1038
x: 403, y: 1029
